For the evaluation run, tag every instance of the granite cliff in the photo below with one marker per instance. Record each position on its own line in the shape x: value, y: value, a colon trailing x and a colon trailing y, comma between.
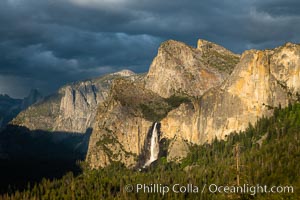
x: 178, y: 75
x: 124, y: 121
x: 179, y: 68
x: 261, y: 81
x: 214, y: 105
x: 72, y: 109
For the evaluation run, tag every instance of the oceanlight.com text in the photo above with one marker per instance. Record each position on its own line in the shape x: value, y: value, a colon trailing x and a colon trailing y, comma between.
x: 211, y: 188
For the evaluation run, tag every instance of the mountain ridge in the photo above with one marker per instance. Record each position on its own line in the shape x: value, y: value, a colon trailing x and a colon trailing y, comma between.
x: 196, y: 95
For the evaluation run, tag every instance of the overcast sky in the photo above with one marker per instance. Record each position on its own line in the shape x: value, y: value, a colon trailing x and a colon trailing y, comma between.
x: 47, y: 43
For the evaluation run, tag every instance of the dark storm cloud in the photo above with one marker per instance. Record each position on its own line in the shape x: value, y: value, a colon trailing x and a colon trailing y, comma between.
x: 45, y: 44
x: 280, y: 8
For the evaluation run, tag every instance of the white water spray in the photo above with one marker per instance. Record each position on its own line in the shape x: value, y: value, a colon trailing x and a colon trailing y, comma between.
x: 154, y: 146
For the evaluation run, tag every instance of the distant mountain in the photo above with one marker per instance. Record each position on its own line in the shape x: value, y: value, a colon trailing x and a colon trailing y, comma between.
x: 33, y: 97
x: 10, y: 107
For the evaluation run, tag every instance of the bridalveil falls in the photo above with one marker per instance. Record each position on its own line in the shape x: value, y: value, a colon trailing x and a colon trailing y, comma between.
x: 154, y: 146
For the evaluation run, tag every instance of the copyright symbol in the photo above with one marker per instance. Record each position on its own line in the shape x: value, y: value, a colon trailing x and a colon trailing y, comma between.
x: 128, y: 188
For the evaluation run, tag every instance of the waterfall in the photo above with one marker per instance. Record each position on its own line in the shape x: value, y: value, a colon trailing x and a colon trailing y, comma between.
x: 154, y: 146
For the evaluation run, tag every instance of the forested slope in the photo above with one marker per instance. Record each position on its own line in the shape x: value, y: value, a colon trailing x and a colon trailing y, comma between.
x: 269, y: 154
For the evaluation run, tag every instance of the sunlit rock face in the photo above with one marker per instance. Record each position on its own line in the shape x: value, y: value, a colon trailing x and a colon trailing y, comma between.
x: 120, y: 130
x: 261, y: 81
x: 72, y: 108
x: 182, y: 69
